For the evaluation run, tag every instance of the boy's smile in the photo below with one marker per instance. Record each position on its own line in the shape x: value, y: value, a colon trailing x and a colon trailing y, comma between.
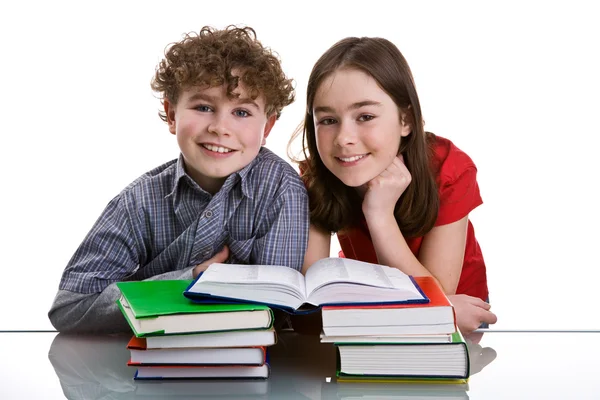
x: 218, y: 135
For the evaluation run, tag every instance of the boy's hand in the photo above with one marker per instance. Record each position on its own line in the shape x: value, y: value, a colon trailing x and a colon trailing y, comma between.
x: 220, y: 257
x: 471, y: 312
x: 384, y: 190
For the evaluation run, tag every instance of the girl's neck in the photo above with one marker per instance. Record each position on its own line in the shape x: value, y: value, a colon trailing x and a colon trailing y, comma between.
x: 361, y: 190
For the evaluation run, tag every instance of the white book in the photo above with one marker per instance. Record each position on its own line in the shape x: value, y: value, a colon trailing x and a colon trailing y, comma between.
x: 328, y: 281
x: 377, y: 330
x: 443, y: 338
x: 199, y: 356
x: 247, y: 338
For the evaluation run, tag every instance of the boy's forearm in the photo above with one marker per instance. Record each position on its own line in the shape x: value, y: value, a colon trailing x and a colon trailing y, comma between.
x: 88, y: 313
x: 96, y: 312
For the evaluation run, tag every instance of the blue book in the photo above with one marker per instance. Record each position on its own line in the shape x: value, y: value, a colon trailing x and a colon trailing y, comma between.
x: 329, y: 281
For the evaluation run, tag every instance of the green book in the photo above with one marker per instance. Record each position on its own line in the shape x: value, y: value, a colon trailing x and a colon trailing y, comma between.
x: 159, y: 308
x: 431, y: 362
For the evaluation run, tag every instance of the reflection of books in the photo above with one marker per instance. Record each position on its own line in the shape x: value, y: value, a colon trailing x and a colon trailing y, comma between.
x: 201, y: 372
x: 219, y: 389
x: 155, y: 307
x: 328, y: 281
x: 408, y: 360
x: 435, y: 317
x: 140, y: 355
x: 95, y: 367
x: 393, y: 391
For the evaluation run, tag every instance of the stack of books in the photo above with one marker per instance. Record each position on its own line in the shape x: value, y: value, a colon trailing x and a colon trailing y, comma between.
x: 175, y: 338
x: 403, y: 341
x: 385, y: 324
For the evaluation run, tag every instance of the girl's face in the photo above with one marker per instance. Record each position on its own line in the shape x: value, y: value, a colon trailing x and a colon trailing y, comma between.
x: 358, y: 126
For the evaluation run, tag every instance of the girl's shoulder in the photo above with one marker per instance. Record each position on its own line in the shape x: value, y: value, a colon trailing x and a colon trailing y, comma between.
x: 456, y: 177
x: 449, y: 162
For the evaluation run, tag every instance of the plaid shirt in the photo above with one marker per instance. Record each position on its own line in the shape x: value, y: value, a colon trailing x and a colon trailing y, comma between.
x: 164, y: 221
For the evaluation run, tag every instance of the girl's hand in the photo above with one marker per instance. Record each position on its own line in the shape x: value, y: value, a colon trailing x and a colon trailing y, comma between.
x: 384, y: 190
x: 471, y: 312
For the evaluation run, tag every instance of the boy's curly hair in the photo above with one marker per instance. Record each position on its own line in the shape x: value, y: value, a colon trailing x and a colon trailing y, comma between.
x: 208, y: 58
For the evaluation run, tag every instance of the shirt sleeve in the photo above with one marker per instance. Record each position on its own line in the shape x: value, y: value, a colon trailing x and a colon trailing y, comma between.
x: 108, y: 253
x: 286, y: 225
x: 96, y: 312
x: 458, y: 196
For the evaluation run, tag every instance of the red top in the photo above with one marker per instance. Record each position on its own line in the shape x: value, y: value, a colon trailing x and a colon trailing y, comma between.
x: 459, y: 195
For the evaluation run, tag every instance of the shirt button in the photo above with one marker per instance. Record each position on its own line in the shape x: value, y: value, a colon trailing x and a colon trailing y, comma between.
x: 208, y: 214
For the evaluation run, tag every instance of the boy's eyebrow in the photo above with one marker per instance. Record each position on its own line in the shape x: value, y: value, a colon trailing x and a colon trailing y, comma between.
x: 353, y: 106
x: 247, y: 100
x: 207, y: 97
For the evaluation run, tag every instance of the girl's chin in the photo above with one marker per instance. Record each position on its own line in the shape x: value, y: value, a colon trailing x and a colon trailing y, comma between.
x: 359, y: 183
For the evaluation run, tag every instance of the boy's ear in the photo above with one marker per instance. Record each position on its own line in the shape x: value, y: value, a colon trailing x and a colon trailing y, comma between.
x: 268, y: 126
x: 170, y: 113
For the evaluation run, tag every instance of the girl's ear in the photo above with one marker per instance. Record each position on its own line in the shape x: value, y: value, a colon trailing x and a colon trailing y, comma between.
x: 406, y: 129
x: 405, y: 126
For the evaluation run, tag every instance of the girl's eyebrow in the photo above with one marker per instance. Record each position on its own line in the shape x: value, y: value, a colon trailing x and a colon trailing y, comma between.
x: 353, y: 106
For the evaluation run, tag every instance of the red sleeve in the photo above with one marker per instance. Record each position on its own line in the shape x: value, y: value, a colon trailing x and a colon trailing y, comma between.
x: 457, y: 182
x: 458, y: 197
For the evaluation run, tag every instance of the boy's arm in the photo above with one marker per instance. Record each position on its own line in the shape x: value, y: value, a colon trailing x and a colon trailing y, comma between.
x: 286, y: 237
x: 110, y: 253
x: 96, y: 312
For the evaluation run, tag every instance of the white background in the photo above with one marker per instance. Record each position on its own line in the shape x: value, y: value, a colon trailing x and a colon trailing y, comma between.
x: 514, y: 84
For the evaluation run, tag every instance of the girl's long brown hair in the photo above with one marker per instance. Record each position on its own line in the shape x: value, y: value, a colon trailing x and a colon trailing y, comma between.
x: 335, y: 206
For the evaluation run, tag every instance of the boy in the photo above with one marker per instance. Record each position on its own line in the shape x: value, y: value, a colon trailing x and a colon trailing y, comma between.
x: 225, y: 197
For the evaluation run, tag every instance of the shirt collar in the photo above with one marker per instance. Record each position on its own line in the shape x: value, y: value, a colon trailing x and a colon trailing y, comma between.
x: 230, y: 182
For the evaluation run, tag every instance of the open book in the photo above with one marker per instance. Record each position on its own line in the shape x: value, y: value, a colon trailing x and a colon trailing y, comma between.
x: 328, y: 281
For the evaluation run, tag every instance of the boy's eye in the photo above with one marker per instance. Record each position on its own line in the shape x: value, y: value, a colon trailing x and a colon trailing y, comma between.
x: 327, y: 121
x: 365, y: 117
x: 203, y: 108
x: 241, y: 113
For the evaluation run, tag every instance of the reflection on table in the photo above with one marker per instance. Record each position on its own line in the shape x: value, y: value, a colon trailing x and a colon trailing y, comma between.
x: 95, y: 367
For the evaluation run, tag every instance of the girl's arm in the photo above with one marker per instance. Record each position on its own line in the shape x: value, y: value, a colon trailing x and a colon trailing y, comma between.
x: 442, y: 250
x: 441, y: 254
x: 319, y: 243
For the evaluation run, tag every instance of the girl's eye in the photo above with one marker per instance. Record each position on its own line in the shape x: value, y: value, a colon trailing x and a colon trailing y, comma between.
x: 241, y: 113
x: 203, y: 108
x: 365, y: 117
x: 327, y: 121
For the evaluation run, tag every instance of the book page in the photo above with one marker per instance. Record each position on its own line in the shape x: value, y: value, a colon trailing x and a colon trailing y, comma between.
x: 333, y: 270
x: 255, y: 274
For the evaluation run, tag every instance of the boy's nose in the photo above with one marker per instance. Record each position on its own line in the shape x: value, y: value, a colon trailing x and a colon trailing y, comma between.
x: 219, y: 126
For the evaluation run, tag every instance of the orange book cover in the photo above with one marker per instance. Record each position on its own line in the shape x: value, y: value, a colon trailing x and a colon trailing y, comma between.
x: 137, y: 343
x: 429, y: 286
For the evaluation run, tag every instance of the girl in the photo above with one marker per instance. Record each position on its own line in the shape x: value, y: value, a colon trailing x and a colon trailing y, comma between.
x: 395, y: 194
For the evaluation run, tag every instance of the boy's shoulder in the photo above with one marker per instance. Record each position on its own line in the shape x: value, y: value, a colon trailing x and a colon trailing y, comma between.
x: 272, y: 172
x: 158, y: 181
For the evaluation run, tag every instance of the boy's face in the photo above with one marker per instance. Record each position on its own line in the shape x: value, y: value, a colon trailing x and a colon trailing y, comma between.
x: 217, y: 135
